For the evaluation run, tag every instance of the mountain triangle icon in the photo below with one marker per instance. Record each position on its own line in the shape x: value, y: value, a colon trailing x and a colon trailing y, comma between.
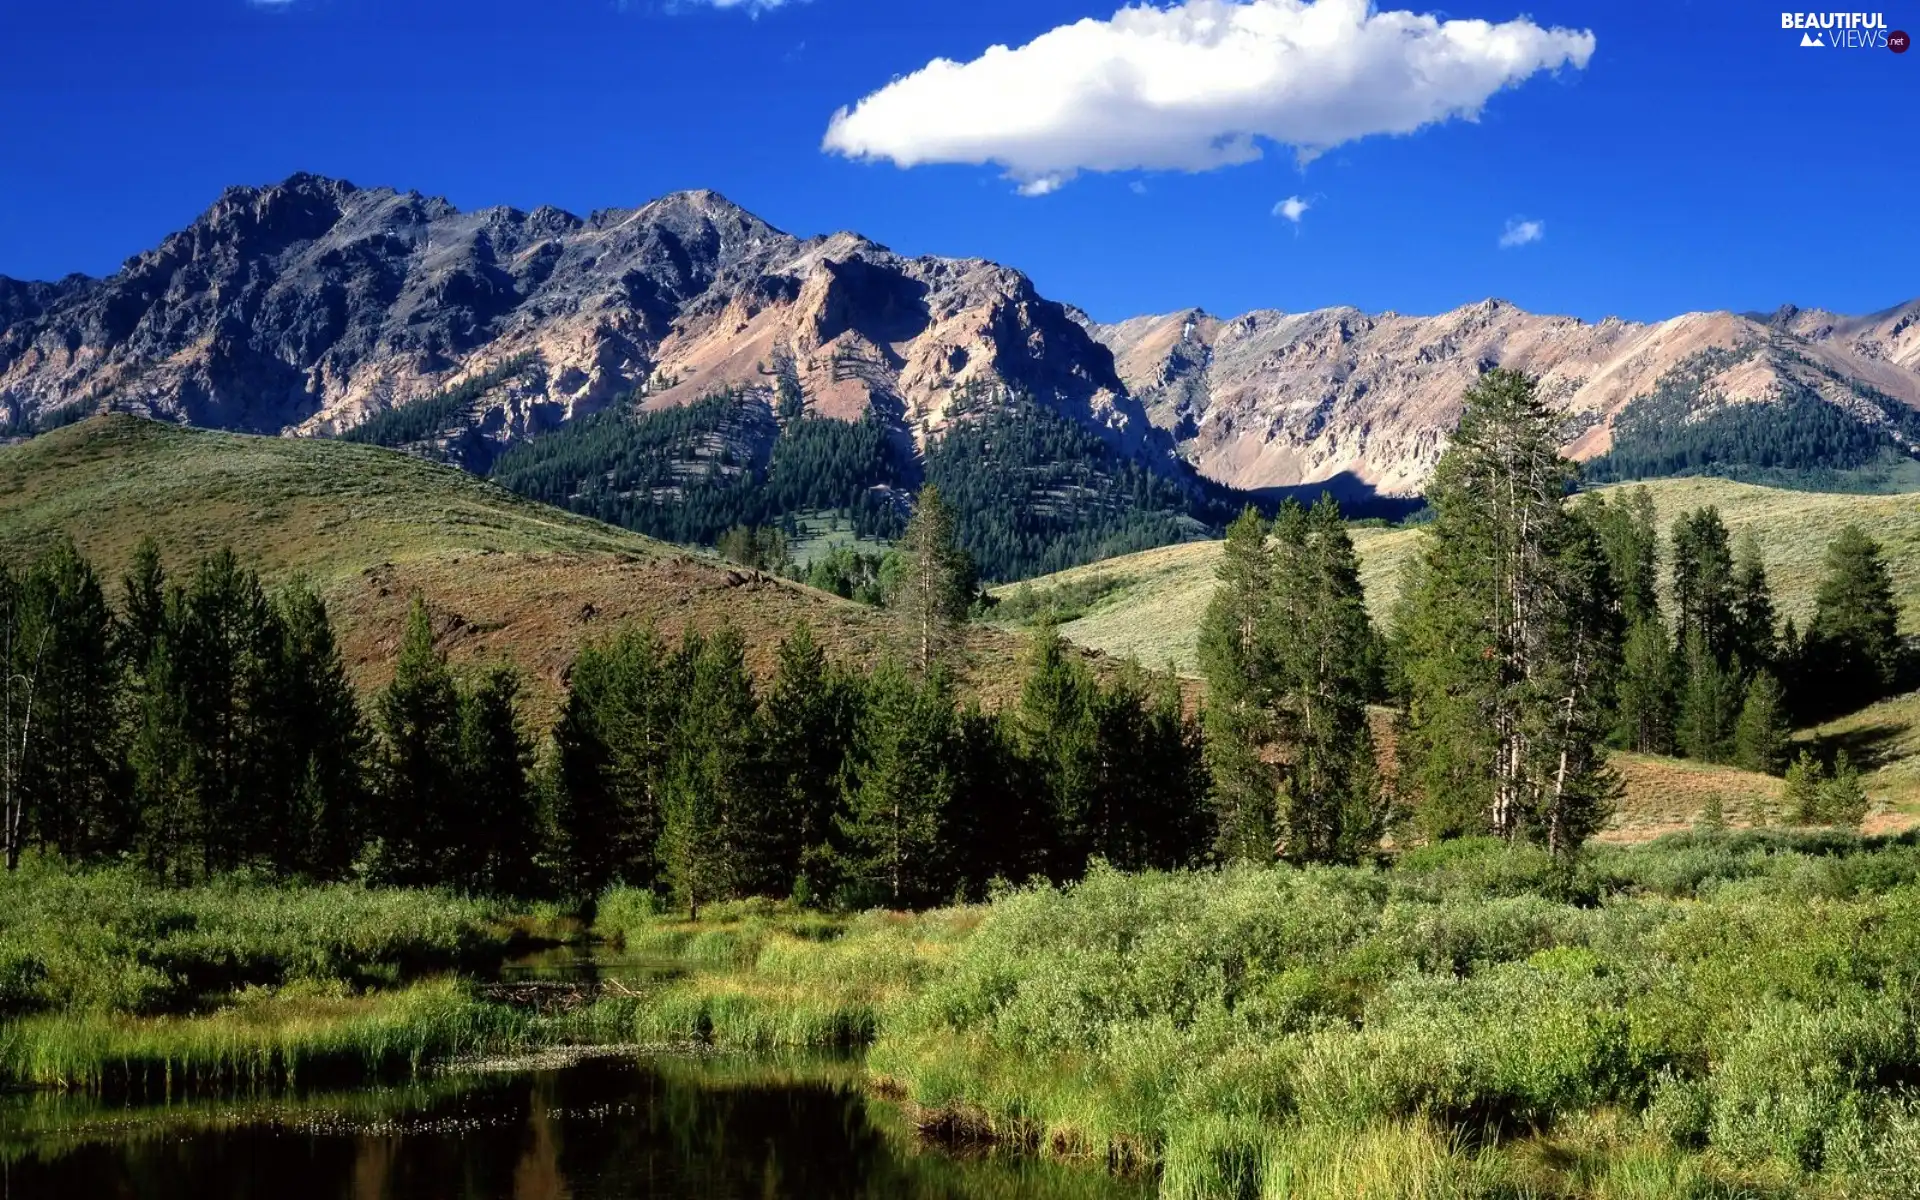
x: 1811, y: 39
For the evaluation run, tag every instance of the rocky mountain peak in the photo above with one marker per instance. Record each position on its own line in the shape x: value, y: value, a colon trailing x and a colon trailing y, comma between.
x: 311, y: 305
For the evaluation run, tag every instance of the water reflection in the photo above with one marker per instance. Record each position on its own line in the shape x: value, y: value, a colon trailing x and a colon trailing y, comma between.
x: 605, y: 1127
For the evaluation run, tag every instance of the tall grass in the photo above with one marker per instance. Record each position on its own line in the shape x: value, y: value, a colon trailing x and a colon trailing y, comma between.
x: 299, y: 1036
x: 111, y: 941
x: 758, y: 976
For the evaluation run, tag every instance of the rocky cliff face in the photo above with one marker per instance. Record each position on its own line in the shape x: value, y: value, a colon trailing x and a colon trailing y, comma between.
x: 308, y: 306
x: 312, y: 305
x: 1274, y: 399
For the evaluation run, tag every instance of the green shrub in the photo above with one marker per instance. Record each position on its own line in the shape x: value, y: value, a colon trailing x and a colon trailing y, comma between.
x: 1797, y: 1084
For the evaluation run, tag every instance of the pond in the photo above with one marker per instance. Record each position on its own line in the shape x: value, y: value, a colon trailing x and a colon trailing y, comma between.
x: 610, y: 1124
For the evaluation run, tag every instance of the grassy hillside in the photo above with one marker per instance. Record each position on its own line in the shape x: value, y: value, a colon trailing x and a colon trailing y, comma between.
x: 1884, y: 741
x: 1154, y: 611
x: 507, y: 578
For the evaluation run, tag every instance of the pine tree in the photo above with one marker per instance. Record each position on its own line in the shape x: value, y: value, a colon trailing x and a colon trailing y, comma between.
x: 1754, y: 641
x: 610, y: 752
x: 496, y: 827
x: 166, y: 795
x: 1512, y: 634
x: 1323, y: 647
x: 1644, y: 701
x: 901, y: 789
x: 707, y: 797
x: 225, y: 647
x: 1703, y: 582
x: 1149, y: 801
x: 1841, y: 799
x: 1059, y: 736
x: 67, y: 765
x: 1709, y: 703
x: 1760, y: 736
x: 936, y: 580
x: 419, y: 716
x: 1800, y: 799
x: 143, y: 605
x: 1630, y: 538
x: 1237, y: 659
x: 806, y: 732
x: 1853, y: 642
x: 324, y: 745
x: 998, y: 824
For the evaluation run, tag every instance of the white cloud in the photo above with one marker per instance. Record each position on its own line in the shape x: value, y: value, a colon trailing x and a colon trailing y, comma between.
x: 1292, y: 208
x: 1137, y: 188
x: 1520, y: 232
x: 1196, y: 86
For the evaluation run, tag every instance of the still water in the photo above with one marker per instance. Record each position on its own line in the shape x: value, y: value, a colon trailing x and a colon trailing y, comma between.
x: 615, y: 1125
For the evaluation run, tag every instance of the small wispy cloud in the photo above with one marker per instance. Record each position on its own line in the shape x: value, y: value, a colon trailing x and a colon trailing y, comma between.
x: 1292, y: 208
x: 1521, y: 232
x: 751, y: 7
x: 1137, y: 188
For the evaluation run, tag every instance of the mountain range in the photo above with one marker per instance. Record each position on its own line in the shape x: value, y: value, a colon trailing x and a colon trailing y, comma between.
x: 314, y: 307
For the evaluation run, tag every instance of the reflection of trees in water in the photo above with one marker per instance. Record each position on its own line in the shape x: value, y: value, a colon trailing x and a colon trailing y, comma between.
x: 690, y: 1130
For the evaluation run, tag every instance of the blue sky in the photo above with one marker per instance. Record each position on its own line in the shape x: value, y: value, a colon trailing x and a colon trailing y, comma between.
x: 1700, y: 158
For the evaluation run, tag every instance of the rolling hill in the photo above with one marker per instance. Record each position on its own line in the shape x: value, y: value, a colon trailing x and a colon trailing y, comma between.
x: 505, y: 577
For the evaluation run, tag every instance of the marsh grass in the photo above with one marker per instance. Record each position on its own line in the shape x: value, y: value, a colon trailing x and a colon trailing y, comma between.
x: 299, y: 1036
x: 761, y: 976
x: 110, y: 941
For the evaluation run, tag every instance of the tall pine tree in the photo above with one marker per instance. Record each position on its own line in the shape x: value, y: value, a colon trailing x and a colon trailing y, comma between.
x: 419, y: 714
x: 1703, y: 590
x: 708, y: 798
x: 611, y: 745
x: 934, y: 587
x: 1755, y: 642
x: 1852, y: 649
x: 900, y: 792
x: 1238, y: 662
x: 1513, y: 634
x: 1323, y: 648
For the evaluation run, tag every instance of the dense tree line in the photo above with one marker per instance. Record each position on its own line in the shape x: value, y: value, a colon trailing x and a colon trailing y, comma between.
x: 678, y: 772
x: 1032, y: 490
x: 1036, y: 492
x: 204, y: 723
x: 693, y: 472
x: 208, y: 725
x: 1722, y: 679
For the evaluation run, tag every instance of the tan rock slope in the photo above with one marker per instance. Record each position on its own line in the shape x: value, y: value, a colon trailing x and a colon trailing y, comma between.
x: 1335, y: 395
